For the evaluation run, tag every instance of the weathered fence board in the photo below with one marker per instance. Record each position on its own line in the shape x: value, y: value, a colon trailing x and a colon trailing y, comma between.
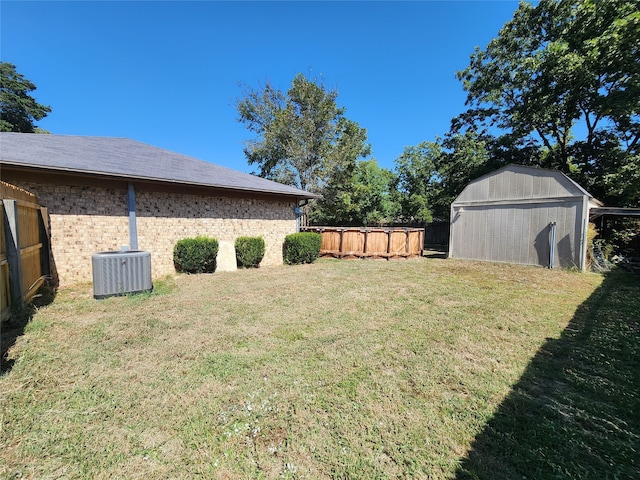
x: 353, y: 242
x: 377, y: 243
x: 5, y: 306
x: 24, y: 247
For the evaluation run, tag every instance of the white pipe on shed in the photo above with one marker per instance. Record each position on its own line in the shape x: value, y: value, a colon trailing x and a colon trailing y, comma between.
x: 552, y: 244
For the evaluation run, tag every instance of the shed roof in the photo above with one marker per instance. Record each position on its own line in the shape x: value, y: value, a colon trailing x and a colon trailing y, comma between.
x: 129, y: 159
x: 520, y: 182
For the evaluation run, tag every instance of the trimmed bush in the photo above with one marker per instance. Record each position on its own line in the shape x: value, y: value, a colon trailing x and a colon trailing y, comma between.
x: 301, y: 248
x: 195, y: 255
x: 249, y: 251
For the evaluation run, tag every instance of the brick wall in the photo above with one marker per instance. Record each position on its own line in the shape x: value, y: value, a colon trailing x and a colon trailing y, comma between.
x: 163, y: 220
x: 93, y: 218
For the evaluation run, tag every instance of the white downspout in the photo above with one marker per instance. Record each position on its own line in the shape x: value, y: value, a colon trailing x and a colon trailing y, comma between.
x: 133, y: 227
x: 552, y: 244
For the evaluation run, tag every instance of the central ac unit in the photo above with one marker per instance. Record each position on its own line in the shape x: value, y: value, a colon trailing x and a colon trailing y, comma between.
x: 121, y: 273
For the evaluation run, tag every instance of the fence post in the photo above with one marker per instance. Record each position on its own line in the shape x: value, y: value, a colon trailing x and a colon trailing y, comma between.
x: 366, y: 235
x: 45, y: 257
x: 13, y: 251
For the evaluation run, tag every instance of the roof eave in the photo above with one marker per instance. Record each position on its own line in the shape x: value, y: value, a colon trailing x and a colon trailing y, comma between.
x: 110, y: 175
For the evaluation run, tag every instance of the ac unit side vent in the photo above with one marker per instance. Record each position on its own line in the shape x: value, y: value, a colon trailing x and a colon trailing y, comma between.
x: 121, y: 273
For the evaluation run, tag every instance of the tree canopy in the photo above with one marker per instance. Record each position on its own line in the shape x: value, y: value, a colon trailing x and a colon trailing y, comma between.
x: 432, y: 174
x: 559, y: 87
x: 416, y: 170
x: 302, y: 136
x: 366, y: 197
x: 18, y: 109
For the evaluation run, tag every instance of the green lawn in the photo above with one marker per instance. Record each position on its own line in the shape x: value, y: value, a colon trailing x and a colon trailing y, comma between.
x: 422, y: 368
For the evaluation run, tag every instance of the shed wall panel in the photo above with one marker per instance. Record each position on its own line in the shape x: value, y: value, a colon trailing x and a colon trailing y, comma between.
x: 518, y: 233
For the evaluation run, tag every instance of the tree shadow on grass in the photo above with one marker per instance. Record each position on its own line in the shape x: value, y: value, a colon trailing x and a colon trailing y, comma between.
x: 575, y: 412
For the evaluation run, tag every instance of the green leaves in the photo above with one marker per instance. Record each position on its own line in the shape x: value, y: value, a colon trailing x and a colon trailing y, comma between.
x: 302, y: 137
x: 562, y: 78
x: 301, y: 248
x: 432, y: 174
x: 249, y: 251
x: 416, y: 169
x: 18, y: 109
x: 196, y: 255
x: 372, y: 193
x: 365, y: 196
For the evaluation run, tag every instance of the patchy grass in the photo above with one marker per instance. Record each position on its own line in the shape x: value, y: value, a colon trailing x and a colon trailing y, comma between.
x: 343, y: 369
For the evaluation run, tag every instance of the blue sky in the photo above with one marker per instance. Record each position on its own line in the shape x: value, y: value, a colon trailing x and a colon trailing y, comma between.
x: 169, y: 73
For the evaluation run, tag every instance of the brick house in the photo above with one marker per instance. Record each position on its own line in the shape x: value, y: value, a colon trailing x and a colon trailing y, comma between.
x: 104, y: 193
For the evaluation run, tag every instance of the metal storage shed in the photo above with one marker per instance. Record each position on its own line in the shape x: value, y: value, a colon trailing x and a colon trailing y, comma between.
x: 522, y: 215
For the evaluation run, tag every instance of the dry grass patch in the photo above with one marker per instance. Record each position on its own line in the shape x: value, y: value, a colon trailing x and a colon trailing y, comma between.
x: 361, y: 369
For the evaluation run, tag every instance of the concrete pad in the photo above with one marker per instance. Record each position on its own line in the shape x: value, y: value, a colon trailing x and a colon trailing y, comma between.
x: 226, y: 260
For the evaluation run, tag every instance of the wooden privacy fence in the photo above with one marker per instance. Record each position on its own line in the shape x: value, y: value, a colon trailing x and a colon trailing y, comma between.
x: 357, y: 242
x: 437, y: 233
x: 24, y: 247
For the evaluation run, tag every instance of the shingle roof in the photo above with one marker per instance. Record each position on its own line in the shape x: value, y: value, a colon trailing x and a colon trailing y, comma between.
x: 122, y: 157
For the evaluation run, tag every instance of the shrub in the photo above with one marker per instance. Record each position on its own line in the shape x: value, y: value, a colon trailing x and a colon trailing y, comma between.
x: 249, y: 251
x: 195, y: 255
x: 301, y: 247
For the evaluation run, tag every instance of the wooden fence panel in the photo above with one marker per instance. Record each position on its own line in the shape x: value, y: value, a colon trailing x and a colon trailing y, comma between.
x: 352, y: 242
x: 30, y: 248
x: 28, y: 224
x: 398, y: 243
x: 16, y: 193
x: 377, y: 243
x: 437, y: 233
x: 5, y: 305
x: 22, y: 254
x: 415, y: 241
x: 331, y: 242
x: 370, y: 242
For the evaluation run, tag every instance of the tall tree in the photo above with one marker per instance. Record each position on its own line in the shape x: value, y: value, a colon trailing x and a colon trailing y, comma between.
x: 562, y: 79
x: 373, y: 195
x: 302, y: 136
x: 416, y: 175
x: 432, y: 174
x: 366, y: 198
x: 18, y: 109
